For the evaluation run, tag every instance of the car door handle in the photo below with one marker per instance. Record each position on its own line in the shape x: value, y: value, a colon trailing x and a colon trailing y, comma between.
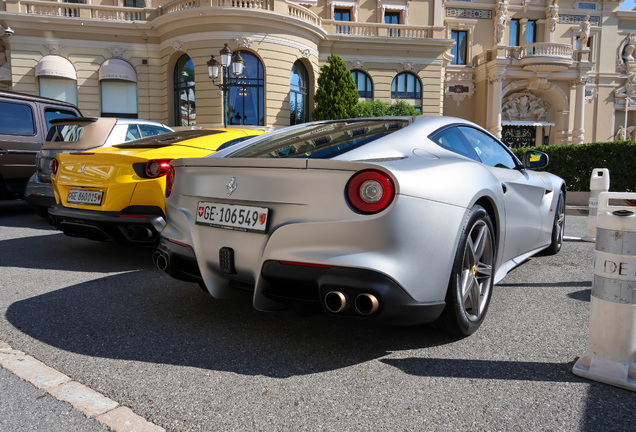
x: 2, y: 152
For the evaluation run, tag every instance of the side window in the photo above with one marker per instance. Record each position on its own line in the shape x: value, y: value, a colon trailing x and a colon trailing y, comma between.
x: 17, y: 119
x: 490, y: 151
x: 53, y: 113
x: 451, y: 139
x: 149, y: 130
x: 132, y: 133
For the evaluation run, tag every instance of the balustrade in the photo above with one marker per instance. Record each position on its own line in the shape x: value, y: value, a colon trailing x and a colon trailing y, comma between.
x: 247, y: 4
x: 546, y: 49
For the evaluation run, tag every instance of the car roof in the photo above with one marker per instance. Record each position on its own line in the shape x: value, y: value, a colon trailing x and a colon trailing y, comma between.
x: 32, y: 98
x: 137, y: 121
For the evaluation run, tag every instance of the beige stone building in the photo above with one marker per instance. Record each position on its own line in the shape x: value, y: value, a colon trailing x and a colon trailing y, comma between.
x: 530, y: 71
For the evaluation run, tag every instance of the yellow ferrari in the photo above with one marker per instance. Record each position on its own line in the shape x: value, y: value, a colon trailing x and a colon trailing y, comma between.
x: 117, y: 193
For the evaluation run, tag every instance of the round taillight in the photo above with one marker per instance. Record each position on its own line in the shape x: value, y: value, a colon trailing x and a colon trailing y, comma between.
x: 169, y: 181
x: 370, y: 192
x: 157, y: 167
x: 54, y: 166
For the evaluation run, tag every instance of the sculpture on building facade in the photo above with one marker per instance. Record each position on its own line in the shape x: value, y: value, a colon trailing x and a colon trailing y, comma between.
x: 625, y: 61
x: 553, y: 16
x: 524, y: 106
x: 501, y: 20
x: 584, y: 35
x: 625, y: 134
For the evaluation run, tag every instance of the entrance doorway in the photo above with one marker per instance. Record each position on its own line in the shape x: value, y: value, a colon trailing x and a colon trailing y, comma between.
x: 516, y: 136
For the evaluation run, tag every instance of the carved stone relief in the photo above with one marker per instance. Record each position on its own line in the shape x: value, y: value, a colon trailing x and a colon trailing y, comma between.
x: 177, y: 46
x: 244, y: 42
x: 459, y: 85
x: 356, y: 64
x: 627, y: 91
x: 117, y: 52
x: 625, y: 54
x: 524, y: 106
x: 55, y: 48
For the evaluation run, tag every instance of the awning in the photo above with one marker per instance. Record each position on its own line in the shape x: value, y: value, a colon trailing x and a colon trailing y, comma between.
x: 55, y: 66
x: 525, y: 123
x: 118, y: 70
x: 5, y: 72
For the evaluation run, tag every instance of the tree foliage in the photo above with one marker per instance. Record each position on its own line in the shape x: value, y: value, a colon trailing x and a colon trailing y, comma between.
x: 337, y: 93
x: 378, y: 108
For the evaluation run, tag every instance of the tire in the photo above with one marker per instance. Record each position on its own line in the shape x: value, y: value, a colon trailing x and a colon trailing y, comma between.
x: 471, y: 282
x: 558, y: 228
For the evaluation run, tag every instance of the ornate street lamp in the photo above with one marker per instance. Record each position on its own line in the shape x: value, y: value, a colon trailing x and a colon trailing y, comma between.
x: 229, y: 77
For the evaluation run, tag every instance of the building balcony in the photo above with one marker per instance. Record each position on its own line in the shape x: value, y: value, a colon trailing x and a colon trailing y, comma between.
x: 545, y: 56
x: 115, y: 13
x: 349, y: 28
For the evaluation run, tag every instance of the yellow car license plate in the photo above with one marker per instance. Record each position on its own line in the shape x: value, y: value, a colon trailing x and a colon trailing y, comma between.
x: 236, y: 217
x: 85, y: 197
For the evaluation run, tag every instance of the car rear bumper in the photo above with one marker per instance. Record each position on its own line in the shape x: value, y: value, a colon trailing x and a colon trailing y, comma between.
x: 177, y: 259
x: 127, y: 226
x: 294, y: 282
x: 301, y: 286
x: 39, y: 193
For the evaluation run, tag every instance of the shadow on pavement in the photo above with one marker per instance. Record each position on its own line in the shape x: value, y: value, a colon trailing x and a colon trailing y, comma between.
x: 485, y: 369
x: 59, y: 252
x: 548, y: 284
x: 147, y: 316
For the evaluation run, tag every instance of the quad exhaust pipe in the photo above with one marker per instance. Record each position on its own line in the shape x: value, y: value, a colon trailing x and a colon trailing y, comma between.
x: 139, y: 233
x: 337, y: 301
x: 367, y: 304
x: 160, y: 260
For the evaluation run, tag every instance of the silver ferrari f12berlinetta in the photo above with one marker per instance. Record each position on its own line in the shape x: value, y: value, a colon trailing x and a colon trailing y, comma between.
x: 403, y: 220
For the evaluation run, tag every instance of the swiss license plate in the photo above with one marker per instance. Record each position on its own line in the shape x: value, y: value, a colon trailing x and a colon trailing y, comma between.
x: 89, y: 197
x: 235, y: 217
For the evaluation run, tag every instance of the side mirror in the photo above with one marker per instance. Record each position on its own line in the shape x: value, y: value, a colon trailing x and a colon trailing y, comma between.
x: 533, y: 159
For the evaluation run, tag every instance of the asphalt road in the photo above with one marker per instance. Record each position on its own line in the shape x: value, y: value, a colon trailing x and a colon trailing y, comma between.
x: 101, y: 314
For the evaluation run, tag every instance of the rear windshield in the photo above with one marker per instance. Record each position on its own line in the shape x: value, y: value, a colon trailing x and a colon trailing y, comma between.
x: 65, y: 133
x: 321, y: 141
x: 167, y: 139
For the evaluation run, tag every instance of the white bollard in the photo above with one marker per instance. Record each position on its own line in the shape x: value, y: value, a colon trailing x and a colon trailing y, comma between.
x: 611, y: 354
x: 599, y: 182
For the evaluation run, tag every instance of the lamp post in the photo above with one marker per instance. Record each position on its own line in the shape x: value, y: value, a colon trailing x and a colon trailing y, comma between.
x: 229, y: 77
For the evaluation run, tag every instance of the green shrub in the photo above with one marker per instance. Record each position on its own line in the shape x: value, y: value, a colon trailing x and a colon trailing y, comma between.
x: 402, y: 108
x: 370, y: 109
x: 380, y: 109
x: 574, y: 163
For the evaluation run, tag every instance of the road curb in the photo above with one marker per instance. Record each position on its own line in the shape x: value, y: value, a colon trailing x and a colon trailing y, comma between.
x: 94, y: 405
x: 572, y: 210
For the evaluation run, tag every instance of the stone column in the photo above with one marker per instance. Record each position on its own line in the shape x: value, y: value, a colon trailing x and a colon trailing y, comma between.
x: 578, y: 133
x: 539, y: 135
x: 496, y: 79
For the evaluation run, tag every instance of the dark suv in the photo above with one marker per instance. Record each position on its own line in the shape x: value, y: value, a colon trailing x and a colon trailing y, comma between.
x: 24, y: 123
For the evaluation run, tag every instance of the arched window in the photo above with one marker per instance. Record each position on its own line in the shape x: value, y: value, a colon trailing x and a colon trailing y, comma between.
x: 407, y: 86
x: 298, y: 94
x: 184, y: 104
x: 363, y: 83
x: 57, y: 78
x: 246, y: 105
x: 118, y: 82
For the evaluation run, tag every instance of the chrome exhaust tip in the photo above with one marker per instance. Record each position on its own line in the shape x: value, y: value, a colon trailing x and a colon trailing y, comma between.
x: 336, y: 301
x: 367, y: 304
x: 160, y: 260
